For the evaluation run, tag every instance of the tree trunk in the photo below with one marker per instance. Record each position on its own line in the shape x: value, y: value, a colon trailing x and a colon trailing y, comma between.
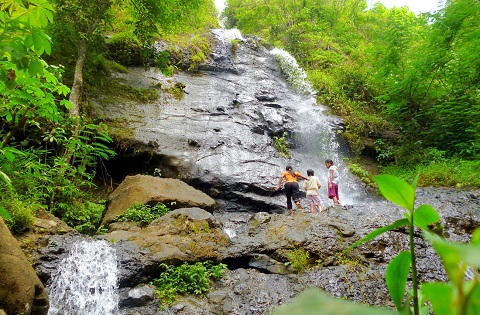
x: 77, y: 87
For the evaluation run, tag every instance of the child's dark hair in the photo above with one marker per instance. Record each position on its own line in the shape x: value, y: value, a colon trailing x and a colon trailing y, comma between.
x: 289, y: 168
x: 329, y: 161
x: 310, y: 172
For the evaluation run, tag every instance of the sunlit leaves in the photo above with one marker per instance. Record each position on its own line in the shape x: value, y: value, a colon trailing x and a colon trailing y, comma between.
x: 313, y: 302
x: 38, y: 41
x: 397, y: 191
x: 425, y: 216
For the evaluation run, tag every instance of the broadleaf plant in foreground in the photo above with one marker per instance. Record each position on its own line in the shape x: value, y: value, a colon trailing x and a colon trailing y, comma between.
x: 458, y: 259
x: 460, y: 295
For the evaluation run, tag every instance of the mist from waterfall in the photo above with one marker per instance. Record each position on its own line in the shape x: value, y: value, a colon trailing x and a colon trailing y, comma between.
x: 86, y: 281
x: 315, y: 138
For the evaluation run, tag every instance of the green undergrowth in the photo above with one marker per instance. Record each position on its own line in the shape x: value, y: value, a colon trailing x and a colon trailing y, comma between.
x: 186, y: 279
x: 143, y: 214
x: 451, y: 172
x: 446, y: 173
x: 298, y: 259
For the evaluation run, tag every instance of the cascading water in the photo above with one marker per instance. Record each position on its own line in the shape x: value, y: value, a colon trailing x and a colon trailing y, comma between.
x: 315, y: 138
x: 86, y: 281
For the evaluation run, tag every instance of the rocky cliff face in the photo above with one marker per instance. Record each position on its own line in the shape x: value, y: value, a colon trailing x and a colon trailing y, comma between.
x: 214, y: 128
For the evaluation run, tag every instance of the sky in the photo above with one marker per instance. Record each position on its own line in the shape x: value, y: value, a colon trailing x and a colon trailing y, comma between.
x: 417, y: 6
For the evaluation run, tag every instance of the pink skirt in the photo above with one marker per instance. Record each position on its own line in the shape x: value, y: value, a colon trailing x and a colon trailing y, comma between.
x: 333, y: 192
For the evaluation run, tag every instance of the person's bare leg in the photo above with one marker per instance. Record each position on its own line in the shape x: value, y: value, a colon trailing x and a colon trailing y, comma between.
x: 291, y: 211
x: 319, y: 208
x: 335, y: 201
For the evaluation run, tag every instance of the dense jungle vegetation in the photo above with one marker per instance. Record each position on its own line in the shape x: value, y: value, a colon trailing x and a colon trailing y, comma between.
x: 406, y: 85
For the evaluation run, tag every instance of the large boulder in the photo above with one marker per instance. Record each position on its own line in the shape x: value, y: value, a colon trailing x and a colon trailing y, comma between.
x: 21, y: 291
x: 152, y: 190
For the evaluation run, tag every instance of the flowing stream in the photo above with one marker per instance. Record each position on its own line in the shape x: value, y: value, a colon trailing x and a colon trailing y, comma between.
x: 86, y: 281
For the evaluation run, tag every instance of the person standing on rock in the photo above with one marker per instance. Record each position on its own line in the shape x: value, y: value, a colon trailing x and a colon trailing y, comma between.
x: 291, y: 187
x: 312, y: 186
x: 332, y: 182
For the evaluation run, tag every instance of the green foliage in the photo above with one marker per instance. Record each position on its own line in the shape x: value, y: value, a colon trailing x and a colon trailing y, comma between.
x: 298, y: 259
x: 186, y: 279
x: 35, y: 130
x: 84, y: 216
x: 235, y: 45
x: 143, y: 214
x: 281, y: 143
x: 313, y: 302
x: 20, y: 215
x: 358, y: 171
x: 163, y: 63
x: 409, y: 81
x: 125, y: 49
x: 199, y: 48
x: 452, y: 172
x: 458, y: 259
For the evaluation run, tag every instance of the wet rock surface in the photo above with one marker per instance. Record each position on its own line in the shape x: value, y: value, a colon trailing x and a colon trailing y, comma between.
x: 218, y: 138
x: 260, y: 242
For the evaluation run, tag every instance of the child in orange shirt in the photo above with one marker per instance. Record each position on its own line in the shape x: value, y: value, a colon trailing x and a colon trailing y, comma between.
x: 291, y: 187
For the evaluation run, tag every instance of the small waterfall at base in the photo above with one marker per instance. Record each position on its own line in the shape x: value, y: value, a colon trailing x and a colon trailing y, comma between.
x: 86, y: 281
x: 315, y: 137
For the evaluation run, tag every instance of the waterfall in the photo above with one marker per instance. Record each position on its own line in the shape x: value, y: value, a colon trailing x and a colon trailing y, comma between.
x: 315, y: 138
x: 86, y: 281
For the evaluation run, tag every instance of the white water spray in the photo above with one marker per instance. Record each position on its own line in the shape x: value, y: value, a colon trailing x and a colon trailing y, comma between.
x: 315, y: 138
x: 86, y: 281
x: 295, y: 75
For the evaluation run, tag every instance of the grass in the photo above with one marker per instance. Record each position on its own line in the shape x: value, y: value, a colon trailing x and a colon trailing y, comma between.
x: 446, y: 173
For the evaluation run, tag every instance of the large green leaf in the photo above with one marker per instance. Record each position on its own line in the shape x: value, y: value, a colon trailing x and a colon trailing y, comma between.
x: 313, y: 302
x: 453, y: 254
x: 474, y: 301
x: 396, y: 277
x: 424, y: 216
x: 5, y: 214
x: 379, y: 231
x: 440, y: 296
x: 476, y: 237
x: 396, y: 190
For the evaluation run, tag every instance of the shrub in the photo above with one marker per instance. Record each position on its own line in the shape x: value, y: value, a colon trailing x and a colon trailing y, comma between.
x: 84, y: 216
x: 186, y: 279
x: 143, y: 214
x: 281, y: 143
x: 22, y: 214
x: 298, y: 259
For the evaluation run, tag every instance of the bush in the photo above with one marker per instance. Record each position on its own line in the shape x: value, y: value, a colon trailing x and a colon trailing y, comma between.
x: 440, y: 173
x: 298, y: 259
x: 22, y: 213
x: 186, y: 279
x: 84, y: 217
x: 125, y: 49
x: 281, y: 143
x: 143, y: 214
